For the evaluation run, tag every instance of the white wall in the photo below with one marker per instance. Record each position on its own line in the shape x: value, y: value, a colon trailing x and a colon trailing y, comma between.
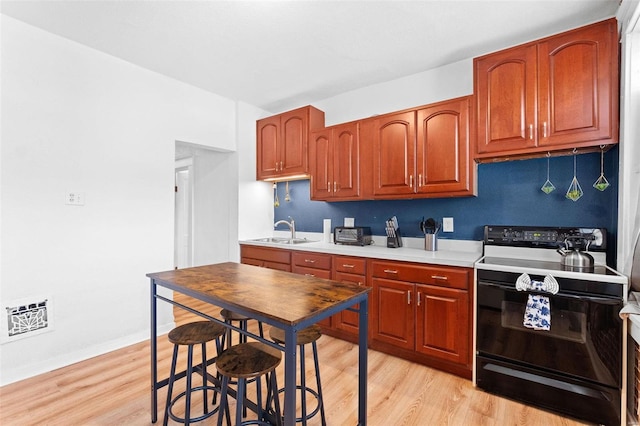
x: 447, y: 82
x: 74, y: 119
x: 255, y: 202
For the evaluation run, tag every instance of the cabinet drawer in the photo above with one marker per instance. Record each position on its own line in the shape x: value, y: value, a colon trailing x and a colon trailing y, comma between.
x: 268, y: 254
x: 320, y: 273
x: 312, y: 260
x: 440, y: 276
x: 350, y: 265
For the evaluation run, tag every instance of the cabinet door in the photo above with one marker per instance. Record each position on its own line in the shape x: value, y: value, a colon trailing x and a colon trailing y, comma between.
x: 443, y: 159
x: 268, y: 140
x: 294, y: 145
x: 393, y: 313
x: 346, y: 161
x: 505, y: 87
x: 394, y: 154
x: 443, y: 323
x: 321, y: 164
x: 348, y: 320
x: 577, y: 86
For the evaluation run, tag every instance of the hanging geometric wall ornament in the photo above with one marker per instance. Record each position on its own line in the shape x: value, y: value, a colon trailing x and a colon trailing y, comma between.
x: 602, y: 183
x: 575, y: 190
x: 548, y: 187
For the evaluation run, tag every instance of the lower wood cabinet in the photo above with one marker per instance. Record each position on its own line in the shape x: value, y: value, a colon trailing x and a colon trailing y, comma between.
x: 349, y: 270
x: 314, y: 264
x: 418, y: 312
x: 266, y: 257
x: 394, y: 319
x: 442, y: 323
x: 423, y: 314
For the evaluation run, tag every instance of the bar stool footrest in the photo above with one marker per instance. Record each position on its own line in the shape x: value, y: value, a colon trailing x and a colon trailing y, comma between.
x: 214, y: 410
x: 315, y: 395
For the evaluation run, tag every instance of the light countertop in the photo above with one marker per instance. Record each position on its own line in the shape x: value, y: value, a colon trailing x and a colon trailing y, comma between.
x: 462, y: 253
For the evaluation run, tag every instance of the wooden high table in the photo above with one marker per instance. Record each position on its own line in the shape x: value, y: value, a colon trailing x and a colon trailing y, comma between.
x: 281, y: 299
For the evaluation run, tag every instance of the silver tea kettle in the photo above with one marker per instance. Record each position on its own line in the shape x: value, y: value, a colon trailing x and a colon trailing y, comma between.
x: 573, y: 257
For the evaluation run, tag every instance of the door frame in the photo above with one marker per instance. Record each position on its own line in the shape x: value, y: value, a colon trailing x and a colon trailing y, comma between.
x: 183, y: 213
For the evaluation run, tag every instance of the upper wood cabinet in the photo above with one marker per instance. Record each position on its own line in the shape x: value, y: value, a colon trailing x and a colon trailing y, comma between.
x: 334, y: 157
x: 558, y: 93
x: 444, y: 163
x: 394, y: 154
x: 423, y: 152
x: 282, y: 143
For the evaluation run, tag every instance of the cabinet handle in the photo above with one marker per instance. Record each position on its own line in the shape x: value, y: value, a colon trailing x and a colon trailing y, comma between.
x: 531, y: 131
x: 419, y: 297
x: 411, y: 181
x: 408, y: 297
x: 281, y: 166
x: 345, y: 265
x: 440, y: 277
x: 544, y: 129
x: 328, y: 186
x: 310, y: 275
x: 359, y: 283
x: 309, y: 261
x: 335, y: 186
x: 420, y: 180
x: 277, y: 166
x: 390, y: 271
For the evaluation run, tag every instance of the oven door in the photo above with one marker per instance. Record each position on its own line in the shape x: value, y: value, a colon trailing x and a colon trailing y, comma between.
x: 584, y: 340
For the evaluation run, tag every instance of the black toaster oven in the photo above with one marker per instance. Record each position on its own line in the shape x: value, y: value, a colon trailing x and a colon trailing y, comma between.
x: 356, y: 235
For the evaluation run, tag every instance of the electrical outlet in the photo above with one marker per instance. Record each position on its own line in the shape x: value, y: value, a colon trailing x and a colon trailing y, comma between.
x: 74, y: 198
x: 447, y: 224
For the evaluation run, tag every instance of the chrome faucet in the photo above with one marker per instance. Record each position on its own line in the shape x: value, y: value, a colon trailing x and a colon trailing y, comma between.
x: 291, y: 225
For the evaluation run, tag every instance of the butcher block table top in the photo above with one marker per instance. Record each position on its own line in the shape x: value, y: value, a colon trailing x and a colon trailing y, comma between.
x: 284, y: 297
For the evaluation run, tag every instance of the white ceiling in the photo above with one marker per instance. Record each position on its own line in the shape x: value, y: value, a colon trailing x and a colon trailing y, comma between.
x: 282, y: 54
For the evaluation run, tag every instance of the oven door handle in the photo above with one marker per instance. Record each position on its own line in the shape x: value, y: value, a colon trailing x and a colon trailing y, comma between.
x: 601, y: 300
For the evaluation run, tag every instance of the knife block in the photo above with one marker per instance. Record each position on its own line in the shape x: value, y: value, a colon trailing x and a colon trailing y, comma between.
x: 395, y: 241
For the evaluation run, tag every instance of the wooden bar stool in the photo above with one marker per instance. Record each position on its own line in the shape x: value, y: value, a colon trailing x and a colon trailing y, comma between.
x: 230, y: 317
x: 191, y: 334
x: 304, y: 337
x: 250, y: 361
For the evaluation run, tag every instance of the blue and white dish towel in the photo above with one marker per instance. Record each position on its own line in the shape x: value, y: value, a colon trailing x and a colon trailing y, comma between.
x: 537, y: 314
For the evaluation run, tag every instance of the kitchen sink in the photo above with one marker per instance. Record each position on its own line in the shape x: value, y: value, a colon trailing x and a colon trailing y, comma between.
x: 281, y: 240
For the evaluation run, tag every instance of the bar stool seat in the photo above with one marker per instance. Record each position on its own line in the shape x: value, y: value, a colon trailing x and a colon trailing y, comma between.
x: 309, y: 335
x: 229, y: 317
x: 191, y: 334
x: 250, y: 361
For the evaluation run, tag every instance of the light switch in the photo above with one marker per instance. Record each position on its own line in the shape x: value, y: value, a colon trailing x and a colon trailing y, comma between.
x: 74, y: 198
x: 447, y: 224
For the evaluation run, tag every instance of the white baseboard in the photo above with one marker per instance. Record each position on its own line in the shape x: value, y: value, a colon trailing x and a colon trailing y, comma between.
x: 27, y: 371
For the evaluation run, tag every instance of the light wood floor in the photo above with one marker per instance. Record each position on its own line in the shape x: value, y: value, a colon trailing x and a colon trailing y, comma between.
x: 113, y: 389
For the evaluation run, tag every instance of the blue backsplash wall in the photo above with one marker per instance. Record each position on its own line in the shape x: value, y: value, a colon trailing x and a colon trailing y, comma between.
x: 508, y: 194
